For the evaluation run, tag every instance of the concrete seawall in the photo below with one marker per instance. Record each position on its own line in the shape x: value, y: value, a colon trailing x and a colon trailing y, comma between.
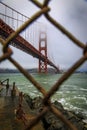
x: 8, y: 107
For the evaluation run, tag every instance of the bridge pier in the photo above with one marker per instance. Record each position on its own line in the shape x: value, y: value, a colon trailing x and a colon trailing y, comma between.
x: 43, y: 50
x: 7, y: 23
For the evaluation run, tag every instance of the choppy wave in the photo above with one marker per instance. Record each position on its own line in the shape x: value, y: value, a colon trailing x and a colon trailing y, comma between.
x: 72, y: 94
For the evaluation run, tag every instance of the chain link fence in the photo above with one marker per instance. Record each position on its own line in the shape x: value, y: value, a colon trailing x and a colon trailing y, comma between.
x: 7, y: 55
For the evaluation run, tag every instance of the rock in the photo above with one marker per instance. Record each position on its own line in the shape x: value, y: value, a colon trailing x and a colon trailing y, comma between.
x: 37, y: 103
x: 58, y: 105
x: 85, y: 127
x: 28, y: 100
x: 50, y: 121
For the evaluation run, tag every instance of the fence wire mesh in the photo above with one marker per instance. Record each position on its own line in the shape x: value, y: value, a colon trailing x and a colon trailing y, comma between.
x: 7, y: 55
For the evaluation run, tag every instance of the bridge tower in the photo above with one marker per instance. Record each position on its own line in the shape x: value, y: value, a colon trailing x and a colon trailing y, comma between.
x: 43, y: 50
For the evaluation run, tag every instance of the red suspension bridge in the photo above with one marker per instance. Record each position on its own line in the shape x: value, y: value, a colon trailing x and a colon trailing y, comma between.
x: 10, y: 20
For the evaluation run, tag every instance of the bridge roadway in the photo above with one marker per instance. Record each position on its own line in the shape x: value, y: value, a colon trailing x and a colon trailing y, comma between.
x: 8, y: 120
x: 20, y: 43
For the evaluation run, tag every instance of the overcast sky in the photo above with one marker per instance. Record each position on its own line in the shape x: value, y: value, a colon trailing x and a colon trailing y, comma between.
x: 72, y: 14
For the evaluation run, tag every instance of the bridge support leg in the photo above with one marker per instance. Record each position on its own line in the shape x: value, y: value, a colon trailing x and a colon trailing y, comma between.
x: 43, y: 49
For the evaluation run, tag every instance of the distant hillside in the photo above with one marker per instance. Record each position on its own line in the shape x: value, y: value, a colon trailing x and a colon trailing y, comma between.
x: 9, y: 71
x: 33, y: 70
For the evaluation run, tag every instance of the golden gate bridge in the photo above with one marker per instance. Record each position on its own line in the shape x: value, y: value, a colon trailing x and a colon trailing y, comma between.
x: 10, y: 20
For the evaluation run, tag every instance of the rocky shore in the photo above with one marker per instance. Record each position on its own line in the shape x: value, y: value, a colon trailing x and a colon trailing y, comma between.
x: 50, y: 121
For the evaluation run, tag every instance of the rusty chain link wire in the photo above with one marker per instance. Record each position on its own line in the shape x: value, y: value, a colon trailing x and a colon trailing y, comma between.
x: 7, y: 52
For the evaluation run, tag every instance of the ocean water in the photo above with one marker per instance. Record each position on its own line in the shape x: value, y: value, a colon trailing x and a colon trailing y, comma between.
x: 72, y: 93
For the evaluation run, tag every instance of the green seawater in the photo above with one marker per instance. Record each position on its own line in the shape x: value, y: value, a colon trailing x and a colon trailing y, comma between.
x: 72, y: 93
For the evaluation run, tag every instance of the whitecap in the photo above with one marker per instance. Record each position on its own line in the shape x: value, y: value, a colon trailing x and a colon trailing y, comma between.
x: 45, y: 82
x: 83, y: 89
x: 62, y: 100
x: 70, y: 86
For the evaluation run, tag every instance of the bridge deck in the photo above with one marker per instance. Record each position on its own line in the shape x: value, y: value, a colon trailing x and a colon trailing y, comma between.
x: 8, y: 119
x: 22, y: 44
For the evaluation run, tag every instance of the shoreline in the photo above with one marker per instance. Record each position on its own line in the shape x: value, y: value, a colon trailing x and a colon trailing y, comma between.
x: 50, y: 121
